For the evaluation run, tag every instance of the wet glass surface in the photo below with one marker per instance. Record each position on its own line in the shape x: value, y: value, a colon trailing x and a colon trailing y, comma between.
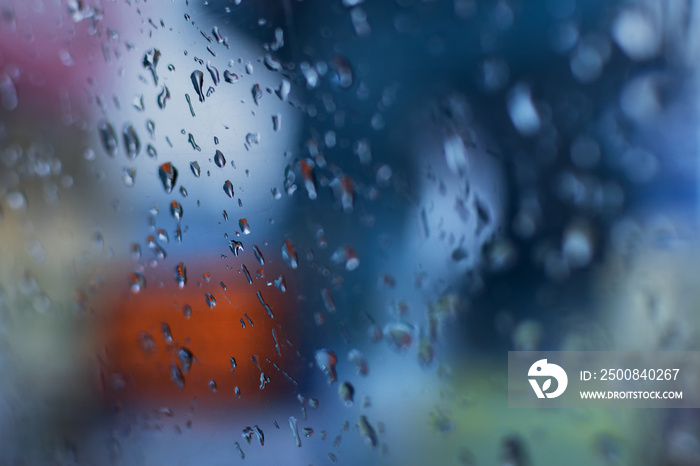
x: 309, y: 232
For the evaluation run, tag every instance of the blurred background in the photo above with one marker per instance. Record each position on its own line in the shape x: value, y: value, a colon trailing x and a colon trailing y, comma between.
x: 309, y: 232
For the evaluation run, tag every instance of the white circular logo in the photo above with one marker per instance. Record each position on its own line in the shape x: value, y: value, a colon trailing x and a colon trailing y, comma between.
x: 543, y: 369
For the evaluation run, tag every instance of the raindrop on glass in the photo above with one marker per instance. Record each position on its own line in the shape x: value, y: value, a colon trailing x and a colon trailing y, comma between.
x: 168, y: 176
x: 186, y: 357
x: 295, y: 430
x: 358, y: 360
x: 129, y: 176
x: 197, y: 78
x: 289, y: 254
x: 346, y: 392
x: 228, y: 188
x: 243, y: 225
x: 230, y: 77
x: 236, y: 247
x: 219, y: 159
x: 326, y: 360
x: 196, y: 171
x: 176, y: 210
x: 257, y: 93
x: 108, y: 137
x: 163, y: 97
x: 150, y: 61
x: 181, y: 275
x: 138, y: 282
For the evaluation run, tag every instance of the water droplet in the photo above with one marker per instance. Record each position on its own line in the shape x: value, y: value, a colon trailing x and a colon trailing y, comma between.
x: 217, y: 35
x: 247, y: 274
x: 261, y: 436
x: 108, y: 137
x: 263, y: 380
x: 189, y: 104
x: 258, y: 255
x: 176, y: 375
x: 265, y: 305
x: 295, y: 430
x: 138, y: 282
x: 209, y: 298
x: 522, y: 111
x: 150, y: 61
x: 342, y: 75
x: 196, y: 171
x: 252, y: 138
x: 176, y: 210
x: 344, y: 190
x: 181, y: 274
x: 272, y: 64
x: 197, y: 78
x: 358, y: 359
x: 228, y: 188
x: 289, y: 254
x: 138, y: 103
x: 328, y: 300
x: 186, y: 357
x: 243, y: 225
x: 129, y: 176
x: 168, y: 176
x: 219, y: 159
x: 162, y: 235
x: 193, y: 143
x: 280, y: 284
x: 212, y: 386
x: 230, y: 77
x: 347, y: 255
x: 283, y: 91
x: 151, y: 127
x: 236, y: 247
x: 16, y: 200
x: 636, y: 34
x: 187, y: 311
x: 248, y: 434
x: 276, y: 121
x: 257, y: 93
x: 367, y: 431
x: 163, y: 97
x: 307, y: 174
x: 399, y: 335
x: 151, y: 151
x: 155, y: 247
x: 326, y: 360
x: 167, y: 333
x: 135, y: 251
x: 214, y: 73
x: 346, y: 392
x: 238, y: 447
